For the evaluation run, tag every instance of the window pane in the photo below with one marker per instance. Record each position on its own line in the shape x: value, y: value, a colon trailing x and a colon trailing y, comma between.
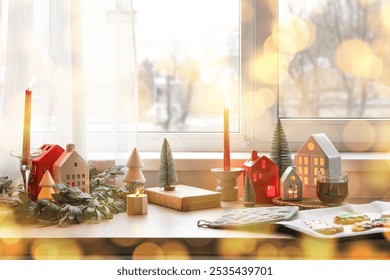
x: 188, y: 59
x: 335, y: 61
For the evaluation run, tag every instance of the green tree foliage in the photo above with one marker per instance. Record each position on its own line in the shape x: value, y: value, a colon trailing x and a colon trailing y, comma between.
x: 249, y: 195
x: 280, y: 151
x: 167, y: 172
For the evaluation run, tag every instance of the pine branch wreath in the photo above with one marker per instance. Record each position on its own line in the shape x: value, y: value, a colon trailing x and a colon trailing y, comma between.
x: 72, y: 206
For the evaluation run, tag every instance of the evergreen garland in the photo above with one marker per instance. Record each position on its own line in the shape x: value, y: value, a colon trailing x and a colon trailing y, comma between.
x: 280, y: 151
x: 72, y: 206
x: 167, y: 172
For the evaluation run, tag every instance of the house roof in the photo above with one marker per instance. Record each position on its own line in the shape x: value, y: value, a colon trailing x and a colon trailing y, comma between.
x: 49, y: 149
x: 288, y: 172
x: 323, y: 143
x: 326, y: 145
x: 69, y: 153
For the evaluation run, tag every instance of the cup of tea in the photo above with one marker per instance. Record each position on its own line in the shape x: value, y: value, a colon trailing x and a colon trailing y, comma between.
x: 332, y: 187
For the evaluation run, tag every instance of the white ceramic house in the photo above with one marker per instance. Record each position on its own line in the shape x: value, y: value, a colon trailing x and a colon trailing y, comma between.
x: 70, y: 168
x: 316, y: 154
x: 290, y: 185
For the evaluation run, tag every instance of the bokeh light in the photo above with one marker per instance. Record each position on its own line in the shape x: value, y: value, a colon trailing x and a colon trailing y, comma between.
x: 148, y: 251
x: 175, y: 250
x: 294, y: 34
x: 267, y: 251
x: 56, y: 249
x: 385, y: 16
x: 236, y: 247
x: 362, y: 130
x: 326, y: 249
x: 290, y: 252
x: 354, y: 56
x: 265, y: 98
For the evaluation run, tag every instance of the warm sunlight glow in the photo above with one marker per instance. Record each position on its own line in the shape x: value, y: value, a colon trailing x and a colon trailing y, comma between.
x: 362, y: 130
x: 355, y: 56
x: 295, y: 34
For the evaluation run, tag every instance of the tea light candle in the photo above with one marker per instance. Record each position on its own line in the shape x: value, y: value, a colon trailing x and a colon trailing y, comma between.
x: 137, y: 204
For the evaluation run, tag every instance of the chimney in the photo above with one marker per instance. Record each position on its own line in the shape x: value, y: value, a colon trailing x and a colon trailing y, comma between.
x: 254, y: 155
x: 70, y: 148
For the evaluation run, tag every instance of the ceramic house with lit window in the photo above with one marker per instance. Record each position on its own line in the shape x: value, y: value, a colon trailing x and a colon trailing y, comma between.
x: 290, y: 185
x: 316, y: 154
x: 45, y: 161
x: 265, y: 177
x: 72, y: 170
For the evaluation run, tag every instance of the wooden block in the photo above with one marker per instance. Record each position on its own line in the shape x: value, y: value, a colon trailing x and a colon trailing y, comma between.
x: 184, y: 198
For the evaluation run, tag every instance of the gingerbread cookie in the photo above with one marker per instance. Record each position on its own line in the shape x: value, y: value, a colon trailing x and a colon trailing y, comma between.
x: 324, y: 227
x: 375, y: 223
x: 381, y: 222
x: 350, y: 218
x: 385, y: 214
x: 361, y: 226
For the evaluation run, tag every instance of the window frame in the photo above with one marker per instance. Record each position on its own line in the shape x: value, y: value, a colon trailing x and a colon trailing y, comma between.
x: 213, y: 142
x: 257, y: 126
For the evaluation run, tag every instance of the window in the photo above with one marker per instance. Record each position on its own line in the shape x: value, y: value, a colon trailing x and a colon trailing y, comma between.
x: 334, y: 71
x: 189, y: 69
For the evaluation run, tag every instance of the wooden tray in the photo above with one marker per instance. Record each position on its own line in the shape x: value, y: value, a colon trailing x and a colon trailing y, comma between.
x: 304, y: 204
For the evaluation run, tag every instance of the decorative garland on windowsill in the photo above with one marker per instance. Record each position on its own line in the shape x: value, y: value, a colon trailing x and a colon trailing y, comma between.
x: 70, y: 205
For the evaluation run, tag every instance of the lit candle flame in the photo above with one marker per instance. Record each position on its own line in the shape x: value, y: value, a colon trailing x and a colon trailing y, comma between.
x: 32, y: 81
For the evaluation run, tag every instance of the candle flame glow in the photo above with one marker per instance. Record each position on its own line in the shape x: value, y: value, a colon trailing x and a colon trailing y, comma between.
x: 32, y: 81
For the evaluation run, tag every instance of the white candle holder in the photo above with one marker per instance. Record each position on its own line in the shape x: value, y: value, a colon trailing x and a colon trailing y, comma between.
x: 227, y: 182
x: 25, y: 159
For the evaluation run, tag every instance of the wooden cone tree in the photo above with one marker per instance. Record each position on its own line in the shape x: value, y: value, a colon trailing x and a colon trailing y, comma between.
x: 167, y: 173
x: 46, y: 184
x: 249, y: 195
x: 134, y: 172
x: 280, y: 151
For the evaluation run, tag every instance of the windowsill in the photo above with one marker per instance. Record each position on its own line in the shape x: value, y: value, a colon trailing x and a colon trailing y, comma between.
x: 190, y: 161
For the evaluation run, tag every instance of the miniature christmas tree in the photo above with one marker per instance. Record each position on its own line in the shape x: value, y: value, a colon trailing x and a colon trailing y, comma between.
x: 167, y: 172
x: 249, y: 195
x: 280, y: 151
x: 134, y: 172
x: 46, y: 186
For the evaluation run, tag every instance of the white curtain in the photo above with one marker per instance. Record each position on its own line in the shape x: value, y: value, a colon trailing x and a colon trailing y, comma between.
x: 82, y: 57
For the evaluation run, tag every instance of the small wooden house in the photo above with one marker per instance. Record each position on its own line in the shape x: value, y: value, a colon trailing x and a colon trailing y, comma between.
x: 290, y: 185
x: 49, y: 154
x: 71, y: 169
x: 317, y: 153
x: 265, y: 177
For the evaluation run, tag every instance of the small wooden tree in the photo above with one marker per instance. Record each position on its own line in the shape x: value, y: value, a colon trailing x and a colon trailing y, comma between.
x: 167, y: 172
x: 249, y: 195
x: 280, y: 151
x: 46, y: 184
x: 134, y: 172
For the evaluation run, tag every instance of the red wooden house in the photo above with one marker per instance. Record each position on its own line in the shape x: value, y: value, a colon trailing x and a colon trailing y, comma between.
x: 265, y: 177
x: 49, y: 154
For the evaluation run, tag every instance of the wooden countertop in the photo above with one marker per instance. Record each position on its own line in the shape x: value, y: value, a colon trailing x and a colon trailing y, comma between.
x: 159, y: 222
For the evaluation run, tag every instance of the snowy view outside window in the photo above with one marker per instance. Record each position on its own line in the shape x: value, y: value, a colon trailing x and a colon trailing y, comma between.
x: 188, y: 59
x: 334, y: 58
